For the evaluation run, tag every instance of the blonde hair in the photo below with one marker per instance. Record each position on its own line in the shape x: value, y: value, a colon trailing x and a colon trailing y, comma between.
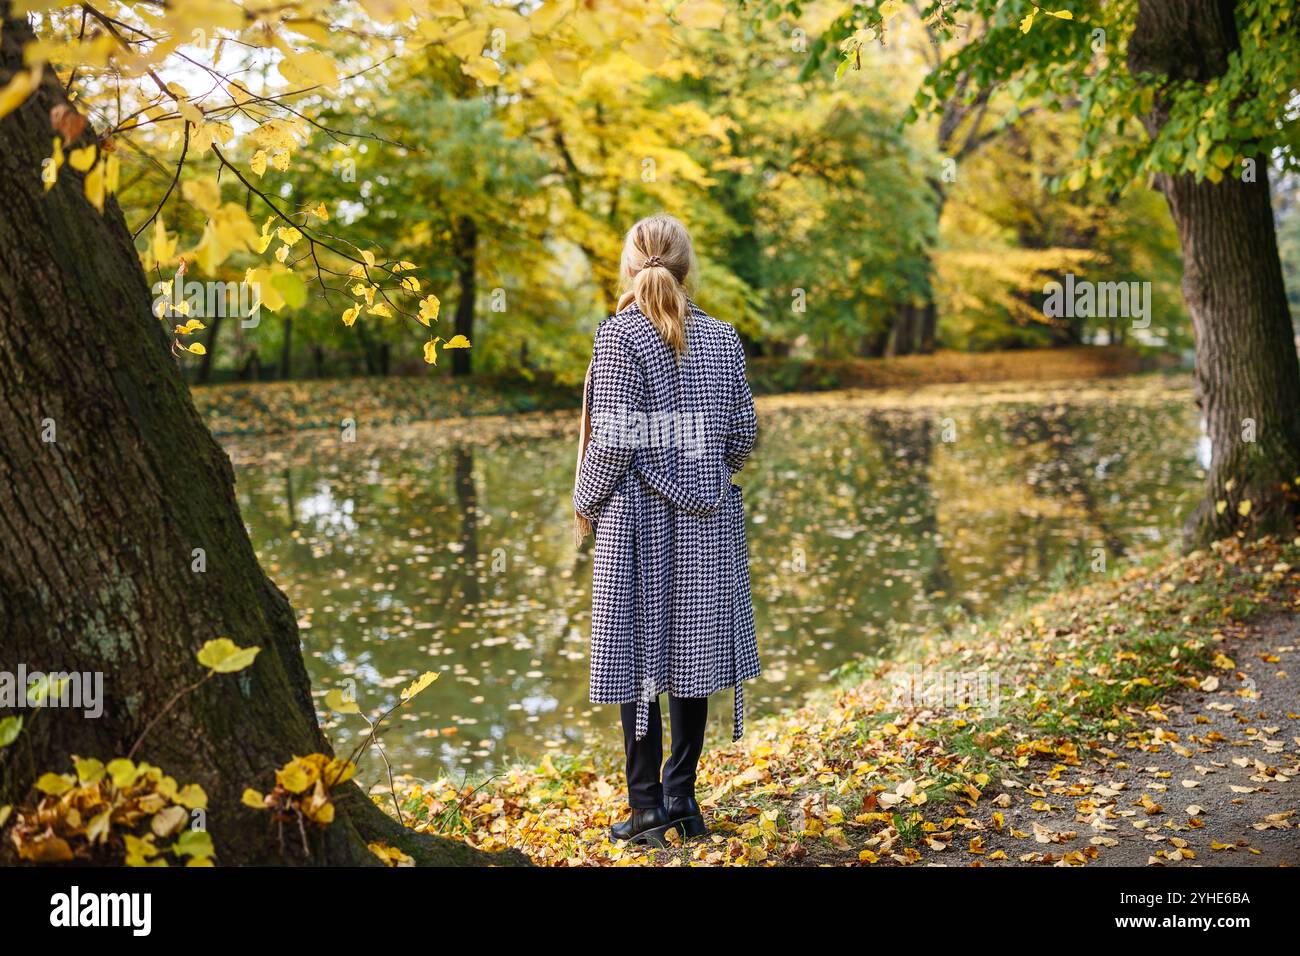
x: 657, y: 268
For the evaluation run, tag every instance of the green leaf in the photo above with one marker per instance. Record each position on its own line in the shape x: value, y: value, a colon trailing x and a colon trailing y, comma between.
x: 195, y: 843
x: 122, y: 772
x: 10, y: 728
x: 292, y: 288
x: 89, y: 770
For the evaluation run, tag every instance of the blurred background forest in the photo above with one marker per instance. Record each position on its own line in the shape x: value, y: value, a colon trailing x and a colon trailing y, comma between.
x: 826, y: 228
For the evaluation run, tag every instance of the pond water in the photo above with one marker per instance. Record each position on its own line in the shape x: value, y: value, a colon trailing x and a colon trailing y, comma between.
x: 448, y: 547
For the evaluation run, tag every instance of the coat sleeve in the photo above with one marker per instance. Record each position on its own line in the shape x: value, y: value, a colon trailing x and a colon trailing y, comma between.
x: 742, y: 429
x: 617, y: 389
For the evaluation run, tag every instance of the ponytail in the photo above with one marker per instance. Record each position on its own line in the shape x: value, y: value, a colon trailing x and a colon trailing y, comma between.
x: 657, y: 266
x: 663, y: 300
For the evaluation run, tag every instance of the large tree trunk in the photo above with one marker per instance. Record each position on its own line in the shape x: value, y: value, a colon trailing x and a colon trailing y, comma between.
x: 99, y: 528
x: 1247, y: 374
x: 466, y: 265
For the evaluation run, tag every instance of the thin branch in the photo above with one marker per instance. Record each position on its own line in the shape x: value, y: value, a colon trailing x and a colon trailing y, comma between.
x: 180, y: 164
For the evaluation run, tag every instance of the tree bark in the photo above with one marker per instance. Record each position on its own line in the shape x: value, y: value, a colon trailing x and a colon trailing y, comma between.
x: 466, y: 259
x: 100, y: 526
x: 1247, y: 373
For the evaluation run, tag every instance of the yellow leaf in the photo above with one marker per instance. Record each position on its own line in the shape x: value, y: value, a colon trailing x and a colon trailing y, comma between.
x: 223, y: 656
x: 89, y: 770
x: 191, y: 113
x: 192, y: 796
x: 467, y: 41
x: 338, y: 771
x: 296, y: 776
x: 431, y: 351
x: 50, y: 174
x: 164, y: 247
x: 258, y: 162
x: 420, y: 683
x: 1061, y: 14
x: 252, y: 798
x: 350, y: 315
x: 82, y: 159
x: 429, y: 307
x: 197, y: 348
x: 55, y: 784
x: 456, y: 342
x: 309, y: 68
x: 1027, y: 23
x: 1243, y: 507
x: 18, y: 89
x: 203, y: 192
x: 100, y: 826
x: 122, y: 772
x: 381, y: 309
x: 702, y: 14
x: 94, y: 186
x: 482, y: 68
x: 337, y: 701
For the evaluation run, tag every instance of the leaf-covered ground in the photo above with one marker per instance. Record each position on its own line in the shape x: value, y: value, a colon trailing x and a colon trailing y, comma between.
x: 1148, y: 718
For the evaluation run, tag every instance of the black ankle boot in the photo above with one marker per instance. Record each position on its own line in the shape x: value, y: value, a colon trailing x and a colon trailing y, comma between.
x: 684, y: 815
x: 646, y: 825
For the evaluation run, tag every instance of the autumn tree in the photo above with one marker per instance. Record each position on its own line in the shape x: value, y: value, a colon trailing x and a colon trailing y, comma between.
x: 1197, y: 97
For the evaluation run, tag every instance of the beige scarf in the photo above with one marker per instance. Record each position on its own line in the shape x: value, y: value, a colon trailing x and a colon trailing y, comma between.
x: 581, y: 526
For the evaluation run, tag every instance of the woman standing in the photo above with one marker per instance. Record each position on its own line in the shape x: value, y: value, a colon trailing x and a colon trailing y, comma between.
x: 668, y: 418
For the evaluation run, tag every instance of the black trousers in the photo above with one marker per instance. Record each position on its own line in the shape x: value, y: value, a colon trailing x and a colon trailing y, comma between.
x: 644, y: 757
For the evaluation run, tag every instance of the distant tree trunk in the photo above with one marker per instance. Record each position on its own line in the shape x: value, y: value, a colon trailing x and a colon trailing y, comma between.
x: 109, y: 483
x: 286, y: 350
x: 1247, y: 374
x: 367, y: 349
x: 318, y: 361
x: 252, y: 369
x: 466, y: 262
x: 210, y: 351
x: 905, y: 334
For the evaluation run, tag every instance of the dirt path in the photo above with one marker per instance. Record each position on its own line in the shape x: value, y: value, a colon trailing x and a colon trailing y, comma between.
x: 1212, y: 783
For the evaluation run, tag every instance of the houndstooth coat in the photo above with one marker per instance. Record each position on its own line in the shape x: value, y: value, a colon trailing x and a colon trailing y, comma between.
x: 670, y: 600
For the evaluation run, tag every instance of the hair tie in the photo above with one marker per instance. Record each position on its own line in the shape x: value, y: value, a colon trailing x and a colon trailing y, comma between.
x: 652, y: 261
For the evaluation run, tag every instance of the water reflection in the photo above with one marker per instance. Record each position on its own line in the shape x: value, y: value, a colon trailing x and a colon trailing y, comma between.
x: 408, y: 557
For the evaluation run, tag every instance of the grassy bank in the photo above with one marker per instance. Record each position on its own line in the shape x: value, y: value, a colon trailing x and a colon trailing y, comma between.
x: 774, y: 376
x: 270, y: 407
x: 863, y: 775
